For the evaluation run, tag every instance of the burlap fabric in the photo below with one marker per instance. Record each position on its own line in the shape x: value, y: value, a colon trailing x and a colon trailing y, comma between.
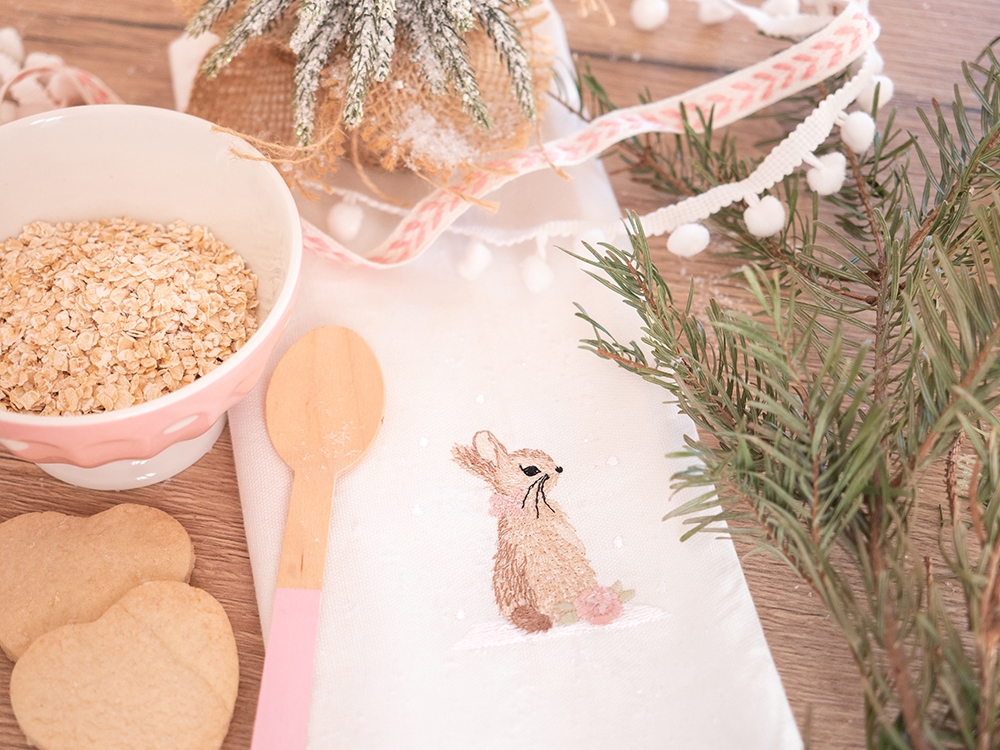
x: 405, y: 126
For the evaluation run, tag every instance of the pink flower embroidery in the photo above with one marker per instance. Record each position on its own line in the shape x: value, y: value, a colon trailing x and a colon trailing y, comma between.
x: 598, y: 605
x: 505, y: 507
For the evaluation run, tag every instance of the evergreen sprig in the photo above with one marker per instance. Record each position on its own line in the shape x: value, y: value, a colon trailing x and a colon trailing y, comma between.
x: 870, y: 354
x: 443, y: 54
x: 434, y: 30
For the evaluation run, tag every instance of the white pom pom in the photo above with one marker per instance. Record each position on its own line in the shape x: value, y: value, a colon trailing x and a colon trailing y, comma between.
x: 8, y: 111
x: 649, y: 14
x: 8, y: 67
x: 828, y: 178
x: 63, y: 90
x: 858, y: 131
x: 10, y: 44
x: 474, y: 261
x: 29, y: 92
x: 688, y: 240
x: 592, y: 237
x: 714, y: 11
x: 344, y: 221
x: 765, y: 218
x: 41, y: 60
x: 877, y: 60
x: 779, y: 8
x: 537, y: 274
x: 886, y: 88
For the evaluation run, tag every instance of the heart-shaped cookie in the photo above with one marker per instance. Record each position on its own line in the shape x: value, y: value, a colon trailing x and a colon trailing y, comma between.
x: 57, y: 569
x: 157, y: 671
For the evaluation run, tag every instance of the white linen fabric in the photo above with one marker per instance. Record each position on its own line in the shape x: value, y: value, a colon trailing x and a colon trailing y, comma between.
x: 413, y: 651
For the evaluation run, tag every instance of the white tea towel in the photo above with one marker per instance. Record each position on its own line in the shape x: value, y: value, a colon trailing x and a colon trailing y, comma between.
x: 418, y: 645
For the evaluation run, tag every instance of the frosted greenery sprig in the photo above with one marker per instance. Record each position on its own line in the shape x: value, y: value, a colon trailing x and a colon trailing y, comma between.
x: 868, y: 354
x: 312, y: 58
x: 441, y: 50
x: 372, y: 43
x: 500, y: 27
x: 434, y: 29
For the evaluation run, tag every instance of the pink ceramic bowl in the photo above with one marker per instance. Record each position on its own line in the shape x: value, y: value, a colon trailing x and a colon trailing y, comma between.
x: 152, y: 165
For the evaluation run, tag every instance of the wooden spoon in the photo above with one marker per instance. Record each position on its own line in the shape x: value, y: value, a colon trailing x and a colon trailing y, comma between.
x: 324, y: 407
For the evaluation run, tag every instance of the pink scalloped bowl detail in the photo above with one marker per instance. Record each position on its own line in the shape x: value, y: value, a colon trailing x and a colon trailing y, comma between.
x: 152, y: 165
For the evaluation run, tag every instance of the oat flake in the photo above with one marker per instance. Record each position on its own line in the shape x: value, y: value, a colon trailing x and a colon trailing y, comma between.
x: 104, y: 314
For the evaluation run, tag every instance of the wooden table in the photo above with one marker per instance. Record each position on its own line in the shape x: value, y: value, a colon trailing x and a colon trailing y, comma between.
x: 124, y: 43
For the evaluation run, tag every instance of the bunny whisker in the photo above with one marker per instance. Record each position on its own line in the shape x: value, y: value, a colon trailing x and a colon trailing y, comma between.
x: 541, y: 488
x: 527, y: 492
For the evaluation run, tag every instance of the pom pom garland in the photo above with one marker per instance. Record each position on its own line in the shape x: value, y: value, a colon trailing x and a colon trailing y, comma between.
x: 714, y: 11
x: 476, y: 258
x: 11, y: 45
x: 688, y: 240
x: 8, y: 67
x: 779, y: 8
x: 827, y: 174
x: 537, y: 274
x: 886, y: 88
x: 858, y: 131
x: 764, y: 216
x: 648, y: 15
x: 592, y: 237
x: 41, y: 60
x: 344, y: 221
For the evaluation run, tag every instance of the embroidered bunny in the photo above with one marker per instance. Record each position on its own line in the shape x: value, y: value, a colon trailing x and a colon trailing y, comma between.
x: 541, y: 576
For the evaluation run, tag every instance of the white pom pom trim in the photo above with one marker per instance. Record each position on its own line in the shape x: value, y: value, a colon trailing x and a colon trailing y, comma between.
x: 648, y: 15
x: 886, y: 89
x: 537, y: 274
x: 714, y: 11
x: 780, y: 8
x: 827, y: 174
x: 476, y: 259
x: 344, y: 221
x: 858, y: 131
x: 687, y: 240
x: 764, y: 216
x: 41, y: 60
x: 11, y: 44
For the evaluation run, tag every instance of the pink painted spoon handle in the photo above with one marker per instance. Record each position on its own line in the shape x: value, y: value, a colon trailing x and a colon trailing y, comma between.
x: 282, y: 720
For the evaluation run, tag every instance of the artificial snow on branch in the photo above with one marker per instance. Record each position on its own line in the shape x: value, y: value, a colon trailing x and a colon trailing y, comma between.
x: 434, y: 33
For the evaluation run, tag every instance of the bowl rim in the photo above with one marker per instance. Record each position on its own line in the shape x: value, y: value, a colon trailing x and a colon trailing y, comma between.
x: 274, y: 317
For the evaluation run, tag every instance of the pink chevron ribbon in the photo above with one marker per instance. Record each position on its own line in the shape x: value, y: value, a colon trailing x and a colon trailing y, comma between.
x: 728, y: 99
x: 85, y: 88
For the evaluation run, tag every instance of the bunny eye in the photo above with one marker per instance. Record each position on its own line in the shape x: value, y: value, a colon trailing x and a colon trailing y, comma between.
x: 530, y: 471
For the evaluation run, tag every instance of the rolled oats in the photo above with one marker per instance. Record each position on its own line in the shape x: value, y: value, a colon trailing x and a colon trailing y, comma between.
x: 104, y: 314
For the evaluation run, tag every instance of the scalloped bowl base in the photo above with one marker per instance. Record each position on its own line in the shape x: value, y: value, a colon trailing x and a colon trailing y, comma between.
x: 126, y: 475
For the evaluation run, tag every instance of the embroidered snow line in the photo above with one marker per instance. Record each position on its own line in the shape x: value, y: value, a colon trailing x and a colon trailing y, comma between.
x: 541, y: 575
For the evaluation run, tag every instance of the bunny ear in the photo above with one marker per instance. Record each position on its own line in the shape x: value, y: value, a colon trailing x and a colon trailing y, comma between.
x: 481, y: 457
x: 488, y: 447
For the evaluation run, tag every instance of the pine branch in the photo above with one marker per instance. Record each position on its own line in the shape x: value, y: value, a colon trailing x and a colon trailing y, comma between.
x: 872, y: 353
x: 443, y: 55
x: 308, y: 69
x: 260, y: 14
x: 460, y: 12
x: 312, y: 15
x: 507, y: 40
x: 210, y: 12
x: 372, y: 43
x: 435, y: 31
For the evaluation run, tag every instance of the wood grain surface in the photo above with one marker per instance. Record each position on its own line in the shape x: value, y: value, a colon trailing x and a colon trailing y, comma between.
x: 125, y: 44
